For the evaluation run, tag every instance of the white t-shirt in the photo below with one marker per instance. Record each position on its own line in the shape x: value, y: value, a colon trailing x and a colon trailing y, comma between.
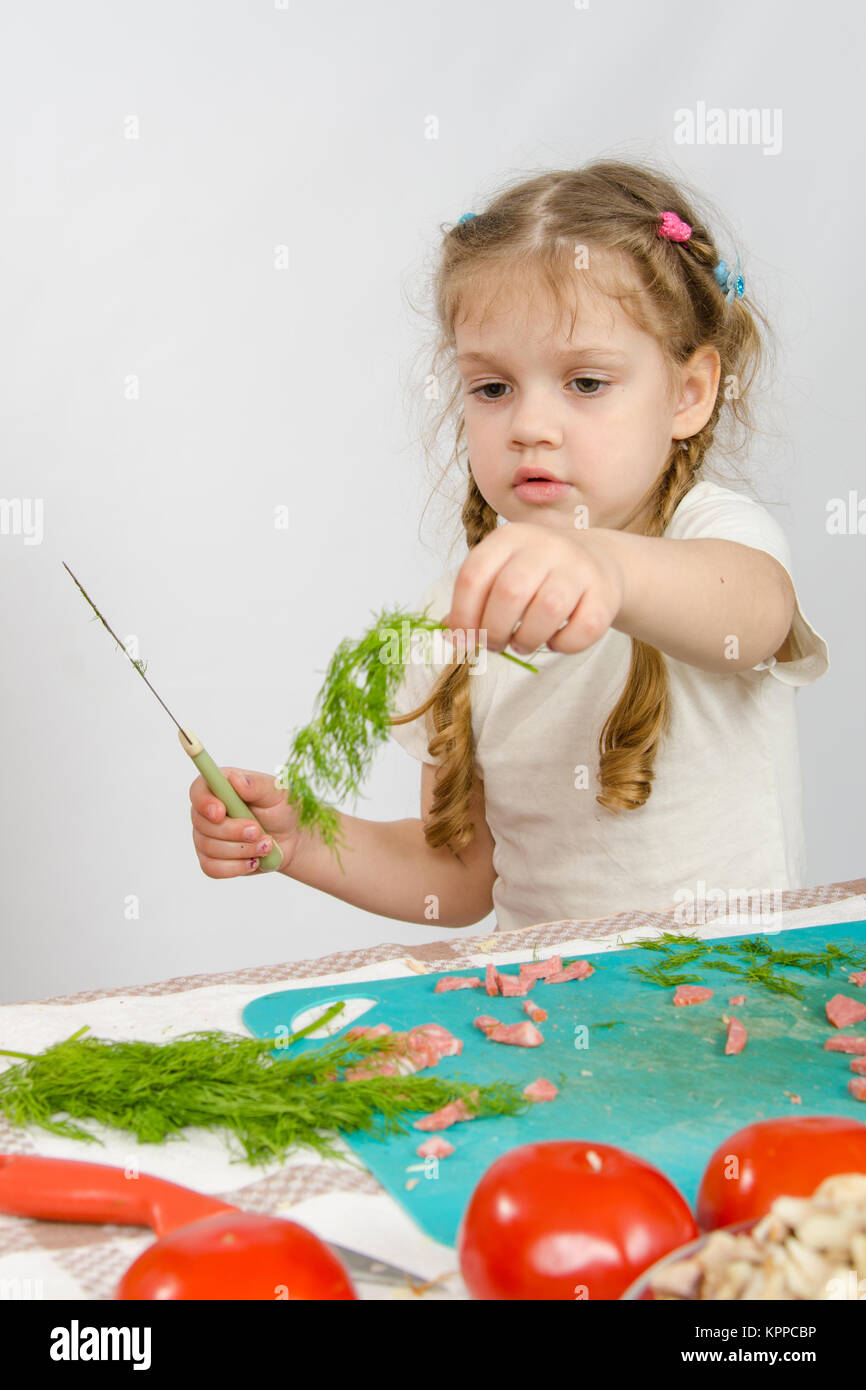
x: 725, y: 810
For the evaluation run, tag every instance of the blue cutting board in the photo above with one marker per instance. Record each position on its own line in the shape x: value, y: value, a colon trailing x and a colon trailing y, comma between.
x: 659, y: 1086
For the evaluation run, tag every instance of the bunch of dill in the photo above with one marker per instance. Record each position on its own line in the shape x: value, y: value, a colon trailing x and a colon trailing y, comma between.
x: 331, y: 756
x: 219, y: 1081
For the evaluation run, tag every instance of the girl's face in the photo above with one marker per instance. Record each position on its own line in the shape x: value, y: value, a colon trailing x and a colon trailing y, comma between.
x: 595, y: 411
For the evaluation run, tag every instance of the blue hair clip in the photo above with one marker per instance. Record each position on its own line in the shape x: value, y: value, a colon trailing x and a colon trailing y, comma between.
x: 730, y: 280
x: 467, y: 216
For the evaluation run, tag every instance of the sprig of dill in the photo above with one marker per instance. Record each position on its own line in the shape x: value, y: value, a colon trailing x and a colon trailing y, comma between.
x: 678, y: 949
x: 331, y: 756
x: 655, y: 975
x: 219, y: 1081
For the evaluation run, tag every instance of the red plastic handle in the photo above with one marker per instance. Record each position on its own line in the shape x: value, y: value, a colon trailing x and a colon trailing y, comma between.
x: 66, y: 1189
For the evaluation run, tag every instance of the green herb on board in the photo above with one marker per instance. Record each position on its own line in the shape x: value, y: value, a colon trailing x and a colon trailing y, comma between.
x: 763, y: 975
x: 656, y: 976
x: 217, y: 1081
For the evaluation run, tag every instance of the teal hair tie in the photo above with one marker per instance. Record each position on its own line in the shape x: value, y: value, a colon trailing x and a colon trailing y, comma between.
x: 730, y: 280
x: 467, y: 216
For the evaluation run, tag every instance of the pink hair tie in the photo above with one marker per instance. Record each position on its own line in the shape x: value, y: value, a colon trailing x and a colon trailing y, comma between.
x: 674, y: 228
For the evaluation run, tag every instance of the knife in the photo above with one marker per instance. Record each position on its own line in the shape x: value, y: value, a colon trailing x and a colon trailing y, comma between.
x: 218, y: 783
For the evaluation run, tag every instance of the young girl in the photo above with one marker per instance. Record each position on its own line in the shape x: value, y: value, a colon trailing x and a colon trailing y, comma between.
x: 595, y: 340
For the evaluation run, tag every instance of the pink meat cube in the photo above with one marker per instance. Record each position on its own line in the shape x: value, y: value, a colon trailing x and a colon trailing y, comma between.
x: 429, y: 1042
x: 691, y: 994
x: 737, y: 999
x: 541, y: 969
x: 578, y: 970
x: 541, y: 1090
x: 511, y: 985
x: 857, y: 978
x: 434, y: 1148
x: 841, y: 1010
x: 849, y: 1044
x: 373, y: 1066
x: 858, y: 1064
x: 491, y: 979
x: 485, y: 1022
x: 448, y: 982
x: 736, y: 1037
x: 535, y: 1013
x: 857, y: 1087
x: 520, y: 1034
x: 449, y: 1114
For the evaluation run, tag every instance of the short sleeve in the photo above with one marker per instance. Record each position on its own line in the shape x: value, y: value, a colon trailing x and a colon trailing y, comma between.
x: 720, y: 513
x: 420, y: 673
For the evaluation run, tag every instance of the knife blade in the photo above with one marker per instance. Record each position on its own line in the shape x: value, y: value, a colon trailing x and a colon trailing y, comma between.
x: 216, y: 780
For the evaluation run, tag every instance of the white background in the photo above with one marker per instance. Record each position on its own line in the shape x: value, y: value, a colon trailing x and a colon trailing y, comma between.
x: 307, y: 126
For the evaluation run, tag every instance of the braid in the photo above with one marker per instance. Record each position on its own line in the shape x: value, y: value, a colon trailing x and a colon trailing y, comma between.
x: 629, y: 741
x: 448, y: 822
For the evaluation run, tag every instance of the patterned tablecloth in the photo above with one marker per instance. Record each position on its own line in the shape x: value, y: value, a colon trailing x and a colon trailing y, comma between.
x: 57, y: 1260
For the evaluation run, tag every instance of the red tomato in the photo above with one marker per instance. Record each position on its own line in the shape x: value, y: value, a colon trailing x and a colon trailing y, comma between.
x: 568, y: 1219
x: 237, y: 1255
x: 785, y: 1157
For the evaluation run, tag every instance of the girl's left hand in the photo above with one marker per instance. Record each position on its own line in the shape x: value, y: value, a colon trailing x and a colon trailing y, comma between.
x: 563, y: 589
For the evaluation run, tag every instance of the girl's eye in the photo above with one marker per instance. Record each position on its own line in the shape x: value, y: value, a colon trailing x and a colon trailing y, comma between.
x: 586, y: 380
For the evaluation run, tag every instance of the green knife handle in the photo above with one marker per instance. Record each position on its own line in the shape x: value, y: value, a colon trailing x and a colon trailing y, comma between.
x: 222, y: 787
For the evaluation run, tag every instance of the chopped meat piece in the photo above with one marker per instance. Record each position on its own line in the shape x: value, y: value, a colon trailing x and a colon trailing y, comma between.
x: 541, y: 1090
x: 691, y: 994
x: 373, y: 1066
x: 511, y: 985
x: 429, y: 1042
x: 857, y: 978
x: 457, y: 982
x: 491, y: 979
x: 858, y: 1064
x: 737, y: 999
x: 541, y: 969
x: 485, y: 1022
x: 520, y: 1034
x: 849, y: 1044
x: 422, y: 1047
x: 449, y: 1114
x: 736, y: 1037
x: 578, y: 970
x: 841, y: 1011
x: 535, y: 1013
x: 857, y: 1087
x: 434, y: 1148
x: 365, y: 1031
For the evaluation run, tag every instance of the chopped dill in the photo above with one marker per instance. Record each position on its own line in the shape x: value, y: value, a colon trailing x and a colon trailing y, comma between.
x: 656, y: 976
x: 218, y: 1081
x: 763, y: 975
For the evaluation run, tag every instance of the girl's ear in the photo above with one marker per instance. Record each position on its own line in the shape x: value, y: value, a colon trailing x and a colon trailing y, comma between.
x: 699, y: 386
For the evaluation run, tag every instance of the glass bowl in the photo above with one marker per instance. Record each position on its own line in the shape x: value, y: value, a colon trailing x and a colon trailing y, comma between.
x: 640, y: 1289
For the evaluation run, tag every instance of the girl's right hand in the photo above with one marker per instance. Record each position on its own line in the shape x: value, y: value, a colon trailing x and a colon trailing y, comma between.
x: 228, y: 847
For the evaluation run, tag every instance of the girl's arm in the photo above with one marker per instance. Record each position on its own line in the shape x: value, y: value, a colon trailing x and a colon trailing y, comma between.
x: 715, y: 604
x: 391, y: 870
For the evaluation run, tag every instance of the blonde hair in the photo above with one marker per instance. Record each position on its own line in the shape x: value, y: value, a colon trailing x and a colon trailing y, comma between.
x: 529, y: 234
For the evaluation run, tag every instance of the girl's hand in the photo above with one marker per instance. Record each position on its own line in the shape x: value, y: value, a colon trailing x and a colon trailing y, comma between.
x: 223, y: 846
x: 544, y: 580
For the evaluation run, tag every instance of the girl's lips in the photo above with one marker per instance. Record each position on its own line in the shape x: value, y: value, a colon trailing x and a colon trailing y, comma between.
x: 540, y: 490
